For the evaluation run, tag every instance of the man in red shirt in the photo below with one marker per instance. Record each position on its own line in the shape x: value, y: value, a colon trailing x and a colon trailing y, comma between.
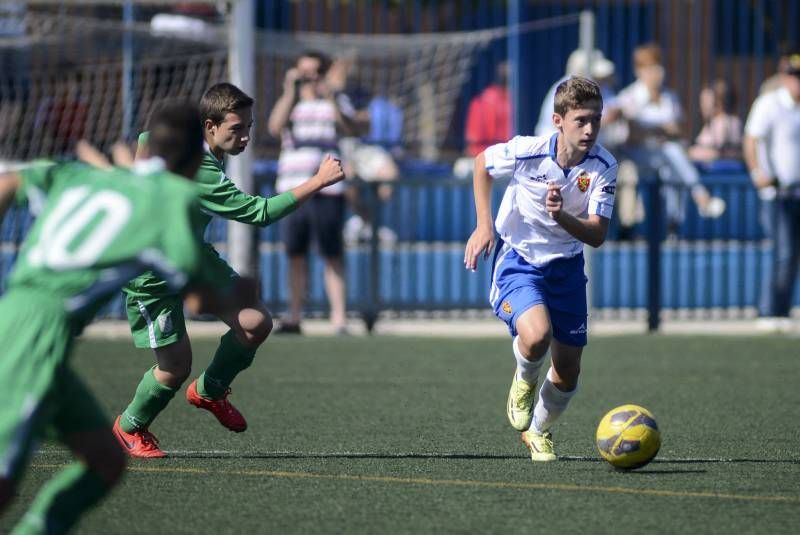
x: 489, y: 115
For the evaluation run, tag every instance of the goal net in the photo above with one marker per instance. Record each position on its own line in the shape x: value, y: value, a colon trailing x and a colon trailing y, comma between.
x: 76, y: 70
x: 95, y: 69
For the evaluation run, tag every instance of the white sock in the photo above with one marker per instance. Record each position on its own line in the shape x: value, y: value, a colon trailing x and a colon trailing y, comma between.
x: 551, y: 403
x: 527, y: 370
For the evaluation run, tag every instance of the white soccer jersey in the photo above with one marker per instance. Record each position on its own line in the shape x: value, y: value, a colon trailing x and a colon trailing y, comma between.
x: 775, y: 119
x: 522, y: 220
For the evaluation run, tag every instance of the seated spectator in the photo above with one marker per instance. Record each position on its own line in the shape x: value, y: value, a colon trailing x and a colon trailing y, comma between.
x: 654, y: 116
x: 721, y: 135
x: 371, y: 158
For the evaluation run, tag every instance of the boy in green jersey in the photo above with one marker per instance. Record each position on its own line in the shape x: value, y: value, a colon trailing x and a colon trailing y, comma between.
x: 155, y: 312
x: 95, y: 229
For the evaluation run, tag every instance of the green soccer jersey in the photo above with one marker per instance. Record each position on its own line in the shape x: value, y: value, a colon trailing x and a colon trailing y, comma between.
x: 96, y: 229
x: 218, y: 196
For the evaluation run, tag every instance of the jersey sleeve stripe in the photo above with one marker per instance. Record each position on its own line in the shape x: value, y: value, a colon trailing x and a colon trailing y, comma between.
x: 603, y: 161
x: 156, y: 261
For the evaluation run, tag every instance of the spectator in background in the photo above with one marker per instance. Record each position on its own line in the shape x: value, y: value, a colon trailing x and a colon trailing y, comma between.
x: 310, y: 116
x: 489, y: 115
x: 772, y: 154
x: 62, y: 116
x: 488, y: 121
x: 654, y: 117
x: 371, y: 158
x: 385, y: 124
x: 721, y: 135
x: 595, y: 66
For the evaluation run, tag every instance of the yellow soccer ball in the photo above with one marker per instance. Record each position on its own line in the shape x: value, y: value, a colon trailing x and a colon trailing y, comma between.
x: 628, y: 437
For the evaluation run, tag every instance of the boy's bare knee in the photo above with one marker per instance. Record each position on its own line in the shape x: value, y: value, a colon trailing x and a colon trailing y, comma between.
x: 256, y: 329
x: 534, y: 342
x: 174, y: 374
x: 174, y: 363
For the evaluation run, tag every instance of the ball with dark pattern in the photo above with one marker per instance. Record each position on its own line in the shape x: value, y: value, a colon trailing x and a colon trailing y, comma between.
x: 628, y: 437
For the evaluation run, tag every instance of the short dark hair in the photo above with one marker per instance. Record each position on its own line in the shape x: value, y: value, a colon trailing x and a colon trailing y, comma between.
x: 573, y: 93
x: 221, y: 99
x: 176, y: 134
x: 325, y: 61
x: 646, y: 55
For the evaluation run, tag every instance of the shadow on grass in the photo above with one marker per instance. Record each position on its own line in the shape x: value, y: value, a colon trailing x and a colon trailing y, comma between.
x: 650, y: 471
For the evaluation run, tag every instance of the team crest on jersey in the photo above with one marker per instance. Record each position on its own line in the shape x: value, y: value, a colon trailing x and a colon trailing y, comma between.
x: 583, y: 181
x: 506, y: 307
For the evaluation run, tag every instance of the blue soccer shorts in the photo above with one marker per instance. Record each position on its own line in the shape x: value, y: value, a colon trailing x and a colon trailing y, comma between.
x: 559, y: 285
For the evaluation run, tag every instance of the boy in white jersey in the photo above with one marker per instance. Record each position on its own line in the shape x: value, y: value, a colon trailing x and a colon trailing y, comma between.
x: 560, y: 197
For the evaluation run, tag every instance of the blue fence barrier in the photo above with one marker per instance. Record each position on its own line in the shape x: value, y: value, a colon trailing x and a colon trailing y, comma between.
x: 694, y: 275
x: 441, y: 210
x: 423, y: 277
x: 710, y: 264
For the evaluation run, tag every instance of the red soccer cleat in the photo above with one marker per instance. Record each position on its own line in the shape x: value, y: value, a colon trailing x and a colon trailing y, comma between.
x: 138, y: 444
x: 228, y: 415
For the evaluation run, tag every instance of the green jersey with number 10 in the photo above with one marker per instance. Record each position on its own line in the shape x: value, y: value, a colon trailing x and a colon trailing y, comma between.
x: 97, y: 229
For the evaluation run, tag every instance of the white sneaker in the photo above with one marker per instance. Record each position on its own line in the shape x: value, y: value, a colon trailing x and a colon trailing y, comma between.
x: 774, y: 325
x: 387, y: 235
x: 714, y: 208
x: 353, y: 228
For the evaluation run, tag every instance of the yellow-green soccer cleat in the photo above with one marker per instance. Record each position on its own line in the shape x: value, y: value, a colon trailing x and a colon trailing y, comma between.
x: 519, y: 408
x: 540, y: 445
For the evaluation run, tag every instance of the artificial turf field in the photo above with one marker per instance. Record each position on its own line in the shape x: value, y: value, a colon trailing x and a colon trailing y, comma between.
x: 409, y: 435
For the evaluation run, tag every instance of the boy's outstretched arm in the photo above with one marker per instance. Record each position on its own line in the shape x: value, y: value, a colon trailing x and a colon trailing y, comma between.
x: 330, y: 172
x: 482, y: 239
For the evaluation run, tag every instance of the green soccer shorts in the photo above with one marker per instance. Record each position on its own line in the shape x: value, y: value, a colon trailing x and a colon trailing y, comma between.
x: 157, y: 319
x: 42, y: 396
